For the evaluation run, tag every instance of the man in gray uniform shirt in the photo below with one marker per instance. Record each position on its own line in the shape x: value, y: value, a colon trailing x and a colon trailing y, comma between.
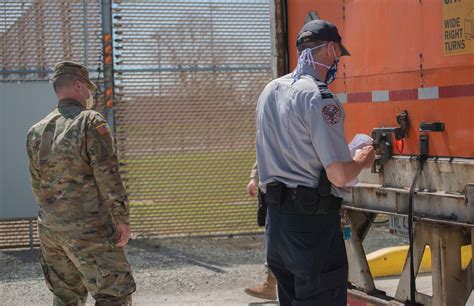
x: 303, y: 161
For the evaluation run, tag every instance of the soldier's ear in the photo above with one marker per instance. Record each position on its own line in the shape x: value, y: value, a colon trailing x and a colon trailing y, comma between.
x: 77, y: 84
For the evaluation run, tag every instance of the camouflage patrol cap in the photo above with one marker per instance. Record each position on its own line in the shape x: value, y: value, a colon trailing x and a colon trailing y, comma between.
x: 74, y: 69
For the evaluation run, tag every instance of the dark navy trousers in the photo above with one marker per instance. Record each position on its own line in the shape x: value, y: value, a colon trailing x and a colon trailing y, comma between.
x: 307, y: 255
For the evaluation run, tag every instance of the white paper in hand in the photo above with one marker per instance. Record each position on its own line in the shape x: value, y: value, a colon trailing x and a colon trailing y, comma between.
x: 358, y: 142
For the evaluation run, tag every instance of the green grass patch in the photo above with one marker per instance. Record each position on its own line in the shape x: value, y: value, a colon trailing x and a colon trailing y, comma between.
x: 192, y: 193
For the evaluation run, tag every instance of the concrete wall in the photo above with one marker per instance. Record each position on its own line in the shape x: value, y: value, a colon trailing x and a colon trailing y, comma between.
x: 21, y: 105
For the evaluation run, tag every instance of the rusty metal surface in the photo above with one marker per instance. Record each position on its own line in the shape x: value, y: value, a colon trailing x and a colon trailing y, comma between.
x: 359, y: 272
x: 279, y: 28
x: 451, y: 284
x: 355, y: 297
x: 439, y: 174
x: 443, y: 192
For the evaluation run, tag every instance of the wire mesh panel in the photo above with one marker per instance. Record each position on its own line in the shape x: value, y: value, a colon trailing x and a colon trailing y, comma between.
x: 34, y: 35
x: 188, y: 75
x: 18, y: 234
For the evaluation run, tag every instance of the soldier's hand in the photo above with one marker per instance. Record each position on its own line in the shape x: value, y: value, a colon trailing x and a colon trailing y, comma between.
x: 123, y: 234
x: 252, y: 187
x: 366, y: 155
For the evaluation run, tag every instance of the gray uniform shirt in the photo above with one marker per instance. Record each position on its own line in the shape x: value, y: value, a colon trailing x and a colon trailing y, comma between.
x: 300, y: 129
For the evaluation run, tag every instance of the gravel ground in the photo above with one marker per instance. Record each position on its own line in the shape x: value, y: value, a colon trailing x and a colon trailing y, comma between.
x: 168, y: 271
x: 178, y: 271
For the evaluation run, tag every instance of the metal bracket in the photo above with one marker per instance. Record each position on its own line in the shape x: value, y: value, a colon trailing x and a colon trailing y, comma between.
x: 383, y: 140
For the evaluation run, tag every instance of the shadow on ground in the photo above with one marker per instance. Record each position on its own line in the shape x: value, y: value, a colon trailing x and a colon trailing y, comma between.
x: 214, y: 254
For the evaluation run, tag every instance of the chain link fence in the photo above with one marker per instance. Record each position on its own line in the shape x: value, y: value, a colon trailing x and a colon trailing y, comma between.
x: 34, y: 35
x: 187, y: 77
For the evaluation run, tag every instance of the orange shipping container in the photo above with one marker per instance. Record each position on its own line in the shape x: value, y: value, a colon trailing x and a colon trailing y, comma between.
x: 418, y: 56
x: 406, y: 55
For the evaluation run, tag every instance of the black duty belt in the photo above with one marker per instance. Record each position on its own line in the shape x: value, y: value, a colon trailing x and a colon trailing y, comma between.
x: 302, y: 199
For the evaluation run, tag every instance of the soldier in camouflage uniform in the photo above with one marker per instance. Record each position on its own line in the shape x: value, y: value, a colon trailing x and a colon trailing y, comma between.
x: 83, y: 207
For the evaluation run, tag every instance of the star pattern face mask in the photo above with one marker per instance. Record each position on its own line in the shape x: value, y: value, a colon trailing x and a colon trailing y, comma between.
x: 306, y: 58
x: 332, y: 70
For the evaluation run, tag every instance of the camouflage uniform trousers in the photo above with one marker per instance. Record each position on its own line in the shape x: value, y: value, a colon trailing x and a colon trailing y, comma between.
x: 73, y: 267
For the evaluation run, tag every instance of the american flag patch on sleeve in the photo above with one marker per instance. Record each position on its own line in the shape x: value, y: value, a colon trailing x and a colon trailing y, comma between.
x: 103, y: 129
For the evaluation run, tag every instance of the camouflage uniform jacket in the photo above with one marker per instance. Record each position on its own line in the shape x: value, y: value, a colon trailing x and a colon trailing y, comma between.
x: 74, y: 171
x: 254, y: 172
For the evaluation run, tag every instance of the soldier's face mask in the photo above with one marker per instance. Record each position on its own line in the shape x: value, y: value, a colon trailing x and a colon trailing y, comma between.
x: 89, y: 97
x: 306, y: 58
x: 90, y: 101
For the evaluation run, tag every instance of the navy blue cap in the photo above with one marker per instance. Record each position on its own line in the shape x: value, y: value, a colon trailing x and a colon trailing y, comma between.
x: 320, y: 30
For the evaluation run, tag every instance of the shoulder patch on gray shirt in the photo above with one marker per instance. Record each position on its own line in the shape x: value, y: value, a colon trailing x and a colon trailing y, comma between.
x: 331, y: 113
